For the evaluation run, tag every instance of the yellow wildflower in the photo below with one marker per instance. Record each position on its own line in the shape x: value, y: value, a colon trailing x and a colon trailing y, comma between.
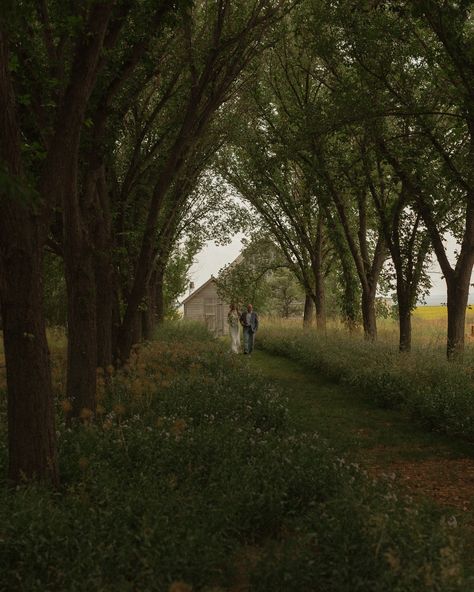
x: 66, y: 406
x: 180, y: 586
x: 178, y: 427
x: 86, y: 414
x: 393, y: 560
x: 84, y: 463
x: 107, y: 425
x: 119, y: 409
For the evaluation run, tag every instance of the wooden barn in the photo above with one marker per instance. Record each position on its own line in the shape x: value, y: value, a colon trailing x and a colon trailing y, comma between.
x: 204, y: 305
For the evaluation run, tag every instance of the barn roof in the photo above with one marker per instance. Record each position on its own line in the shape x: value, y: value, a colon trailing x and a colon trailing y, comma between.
x: 196, y: 292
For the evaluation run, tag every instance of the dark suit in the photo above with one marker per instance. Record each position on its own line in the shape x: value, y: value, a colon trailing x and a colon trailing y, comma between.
x: 250, y: 328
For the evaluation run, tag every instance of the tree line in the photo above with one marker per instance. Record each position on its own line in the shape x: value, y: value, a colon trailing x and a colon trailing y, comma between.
x: 348, y: 126
x: 110, y: 111
x: 356, y: 153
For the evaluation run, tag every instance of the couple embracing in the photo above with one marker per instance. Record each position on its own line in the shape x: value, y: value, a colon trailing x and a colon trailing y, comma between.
x: 249, y: 321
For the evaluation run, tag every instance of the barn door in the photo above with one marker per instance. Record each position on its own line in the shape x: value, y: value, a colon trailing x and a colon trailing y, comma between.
x: 220, y: 319
x: 210, y: 314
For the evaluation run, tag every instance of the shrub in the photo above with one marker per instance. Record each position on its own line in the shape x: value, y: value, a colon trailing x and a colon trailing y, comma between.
x: 432, y: 389
x: 196, y: 477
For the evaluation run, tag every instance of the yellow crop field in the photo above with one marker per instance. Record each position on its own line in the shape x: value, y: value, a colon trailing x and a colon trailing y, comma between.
x: 429, y: 326
x: 438, y: 313
x: 431, y: 313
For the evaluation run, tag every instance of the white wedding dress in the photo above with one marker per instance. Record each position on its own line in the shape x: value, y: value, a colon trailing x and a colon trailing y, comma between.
x: 234, y: 328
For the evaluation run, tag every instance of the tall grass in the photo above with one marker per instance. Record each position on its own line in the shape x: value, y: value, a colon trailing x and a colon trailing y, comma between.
x: 191, y: 478
x: 438, y: 392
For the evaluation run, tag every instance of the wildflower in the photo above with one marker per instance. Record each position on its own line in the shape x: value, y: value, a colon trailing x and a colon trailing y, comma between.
x: 136, y: 387
x: 100, y: 410
x: 110, y: 370
x: 180, y: 586
x: 119, y: 409
x: 83, y: 463
x: 66, y: 406
x: 178, y: 427
x: 86, y: 414
x: 393, y: 560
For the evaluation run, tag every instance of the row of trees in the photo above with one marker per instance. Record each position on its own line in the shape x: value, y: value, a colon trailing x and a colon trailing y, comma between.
x: 110, y: 111
x: 347, y: 126
x: 357, y: 151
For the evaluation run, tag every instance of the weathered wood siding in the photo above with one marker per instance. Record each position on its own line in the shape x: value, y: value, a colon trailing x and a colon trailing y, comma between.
x: 207, y: 307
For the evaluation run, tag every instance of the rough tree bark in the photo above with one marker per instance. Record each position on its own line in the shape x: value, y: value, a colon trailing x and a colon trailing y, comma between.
x: 317, y: 268
x: 308, y: 314
x: 104, y: 274
x: 78, y: 246
x: 31, y: 429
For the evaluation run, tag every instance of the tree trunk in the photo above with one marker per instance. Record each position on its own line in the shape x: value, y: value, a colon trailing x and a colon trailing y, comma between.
x: 317, y: 267
x: 104, y: 271
x: 404, y: 321
x: 368, y: 315
x: 458, y: 295
x: 137, y: 329
x: 159, y: 297
x: 104, y: 315
x: 350, y: 305
x: 308, y: 311
x: 320, y: 303
x: 148, y: 315
x: 116, y: 322
x: 82, y: 331
x: 31, y: 428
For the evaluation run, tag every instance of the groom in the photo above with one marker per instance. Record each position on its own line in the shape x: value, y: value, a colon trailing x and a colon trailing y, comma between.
x: 249, y: 321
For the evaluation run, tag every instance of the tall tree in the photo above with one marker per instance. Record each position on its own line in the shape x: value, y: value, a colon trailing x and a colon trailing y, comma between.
x: 51, y: 56
x: 410, y: 66
x: 220, y: 41
x: 31, y: 429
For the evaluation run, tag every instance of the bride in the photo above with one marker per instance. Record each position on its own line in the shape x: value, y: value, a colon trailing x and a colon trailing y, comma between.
x: 233, y: 318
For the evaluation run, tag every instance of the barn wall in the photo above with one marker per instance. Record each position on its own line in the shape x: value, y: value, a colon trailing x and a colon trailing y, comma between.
x: 207, y: 307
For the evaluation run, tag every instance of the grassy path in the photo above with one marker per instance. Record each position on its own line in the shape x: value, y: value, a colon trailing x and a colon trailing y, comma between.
x: 384, y: 441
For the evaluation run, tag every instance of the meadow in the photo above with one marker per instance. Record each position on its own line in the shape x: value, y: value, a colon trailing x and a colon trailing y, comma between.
x: 422, y: 382
x: 193, y: 477
x: 429, y: 325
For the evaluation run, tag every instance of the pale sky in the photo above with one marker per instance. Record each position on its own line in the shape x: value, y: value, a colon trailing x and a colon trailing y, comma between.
x: 212, y: 258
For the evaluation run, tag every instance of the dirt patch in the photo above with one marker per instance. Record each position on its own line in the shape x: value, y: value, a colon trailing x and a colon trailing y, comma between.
x: 449, y: 482
x: 245, y: 561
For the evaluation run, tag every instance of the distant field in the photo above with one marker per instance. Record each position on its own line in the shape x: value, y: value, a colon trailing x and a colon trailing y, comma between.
x: 439, y: 313
x: 430, y: 313
x: 429, y: 326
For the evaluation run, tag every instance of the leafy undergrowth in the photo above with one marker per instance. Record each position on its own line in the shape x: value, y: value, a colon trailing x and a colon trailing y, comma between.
x: 192, y: 479
x: 438, y: 392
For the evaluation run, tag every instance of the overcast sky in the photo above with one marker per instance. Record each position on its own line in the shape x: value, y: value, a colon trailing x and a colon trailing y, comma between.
x: 212, y: 258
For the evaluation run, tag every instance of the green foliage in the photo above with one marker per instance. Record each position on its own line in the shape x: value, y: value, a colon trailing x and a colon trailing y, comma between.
x: 436, y: 391
x: 263, y: 276
x: 202, y: 480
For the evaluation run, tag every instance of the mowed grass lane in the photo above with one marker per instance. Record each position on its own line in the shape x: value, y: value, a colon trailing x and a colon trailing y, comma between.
x: 386, y: 442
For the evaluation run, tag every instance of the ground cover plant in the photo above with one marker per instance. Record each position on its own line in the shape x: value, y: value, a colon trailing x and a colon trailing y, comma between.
x: 423, y: 382
x: 192, y: 478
